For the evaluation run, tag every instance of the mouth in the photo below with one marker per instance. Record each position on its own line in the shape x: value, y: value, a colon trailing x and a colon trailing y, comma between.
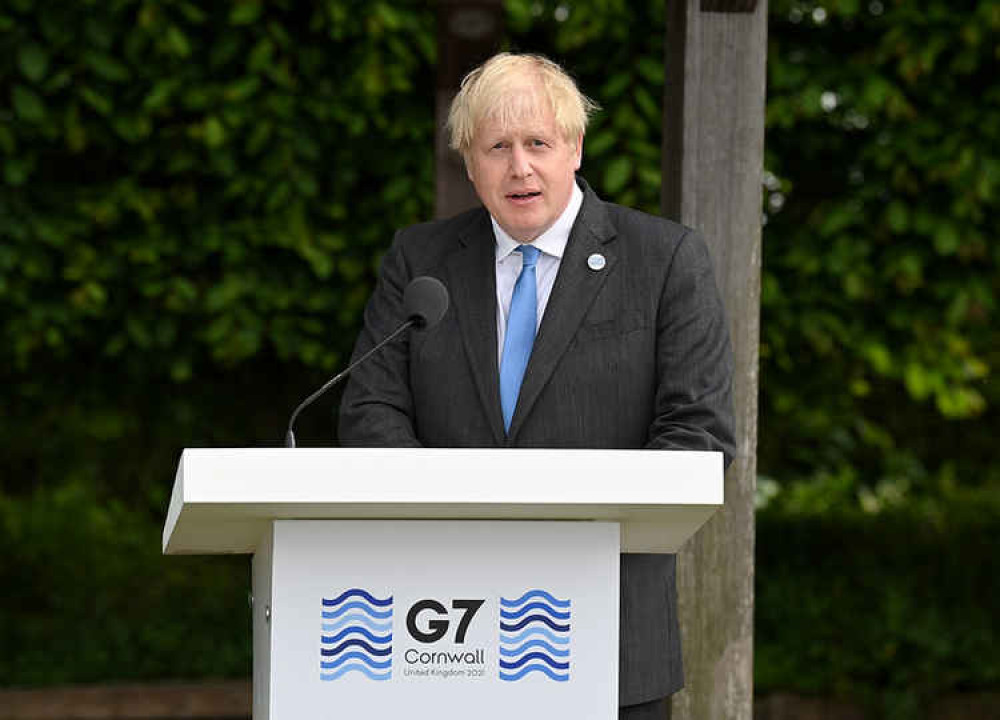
x: 520, y: 197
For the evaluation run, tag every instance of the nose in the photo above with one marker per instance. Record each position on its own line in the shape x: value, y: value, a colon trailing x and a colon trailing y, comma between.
x: 520, y: 162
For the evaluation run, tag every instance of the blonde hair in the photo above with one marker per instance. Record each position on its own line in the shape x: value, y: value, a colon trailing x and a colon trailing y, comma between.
x: 501, y: 89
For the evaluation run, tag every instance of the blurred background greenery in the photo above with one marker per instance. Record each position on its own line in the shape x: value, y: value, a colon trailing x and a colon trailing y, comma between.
x: 193, y: 203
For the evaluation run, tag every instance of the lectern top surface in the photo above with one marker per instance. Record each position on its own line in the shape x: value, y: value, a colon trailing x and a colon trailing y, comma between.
x: 223, y: 498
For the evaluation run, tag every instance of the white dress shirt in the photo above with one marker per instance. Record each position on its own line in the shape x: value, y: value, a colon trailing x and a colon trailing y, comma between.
x: 552, y: 244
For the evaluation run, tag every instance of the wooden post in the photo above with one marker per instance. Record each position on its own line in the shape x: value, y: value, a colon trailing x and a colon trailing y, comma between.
x: 712, y: 166
x: 468, y: 33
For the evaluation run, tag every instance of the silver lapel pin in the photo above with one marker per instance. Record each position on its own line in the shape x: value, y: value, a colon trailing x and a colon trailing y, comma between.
x: 596, y: 262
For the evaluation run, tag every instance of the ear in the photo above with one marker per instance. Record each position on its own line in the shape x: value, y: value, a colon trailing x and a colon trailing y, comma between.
x: 579, y: 151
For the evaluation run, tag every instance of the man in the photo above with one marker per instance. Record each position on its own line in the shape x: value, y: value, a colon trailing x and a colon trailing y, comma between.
x: 574, y: 323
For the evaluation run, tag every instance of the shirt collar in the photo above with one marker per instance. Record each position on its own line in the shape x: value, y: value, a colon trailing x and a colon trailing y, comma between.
x: 552, y: 241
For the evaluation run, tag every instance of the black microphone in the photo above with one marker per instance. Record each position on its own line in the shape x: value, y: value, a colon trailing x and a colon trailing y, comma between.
x: 425, y: 301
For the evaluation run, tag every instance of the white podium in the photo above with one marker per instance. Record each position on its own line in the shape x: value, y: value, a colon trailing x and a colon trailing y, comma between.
x: 435, y: 583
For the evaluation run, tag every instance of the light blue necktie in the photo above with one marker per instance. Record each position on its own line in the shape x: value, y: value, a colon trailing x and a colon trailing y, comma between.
x: 520, y: 335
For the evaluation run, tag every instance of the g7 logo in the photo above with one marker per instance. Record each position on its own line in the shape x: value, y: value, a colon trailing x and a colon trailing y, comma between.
x: 437, y: 627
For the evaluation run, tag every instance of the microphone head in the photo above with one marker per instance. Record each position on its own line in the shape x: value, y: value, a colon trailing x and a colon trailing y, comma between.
x: 425, y: 301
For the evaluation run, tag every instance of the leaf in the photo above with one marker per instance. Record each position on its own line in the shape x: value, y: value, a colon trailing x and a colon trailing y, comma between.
x: 180, y: 370
x: 838, y: 218
x: 243, y: 88
x: 879, y: 357
x: 260, y: 57
x: 17, y: 170
x: 96, y: 100
x: 33, y: 61
x: 177, y: 42
x: 877, y: 91
x: 160, y: 95
x: 618, y: 172
x: 599, y: 143
x: 193, y: 13
x: 215, y: 132
x: 107, y: 67
x: 615, y: 86
x: 131, y: 128
x: 650, y: 108
x: 245, y: 12
x: 28, y: 104
x: 7, y: 142
x: 961, y: 402
x: 651, y: 69
x: 919, y: 381
x: 946, y: 239
x: 898, y: 217
x: 76, y: 135
x: 259, y: 136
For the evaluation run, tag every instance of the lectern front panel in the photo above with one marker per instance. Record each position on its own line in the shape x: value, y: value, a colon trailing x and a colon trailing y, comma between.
x: 443, y: 620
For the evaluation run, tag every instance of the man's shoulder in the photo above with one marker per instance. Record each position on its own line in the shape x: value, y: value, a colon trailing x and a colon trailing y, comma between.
x: 427, y: 245
x: 645, y: 227
x: 635, y: 227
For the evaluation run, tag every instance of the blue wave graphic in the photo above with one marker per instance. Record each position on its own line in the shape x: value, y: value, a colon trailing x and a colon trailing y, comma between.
x: 374, y: 664
x: 357, y: 619
x: 378, y: 614
x: 513, y: 677
x: 357, y: 592
x: 533, y: 594
x: 515, y: 614
x: 552, y: 637
x: 534, y: 618
x: 378, y: 639
x: 326, y: 677
x: 554, y: 664
x: 355, y: 642
x: 537, y: 642
x: 534, y: 649
x: 356, y: 635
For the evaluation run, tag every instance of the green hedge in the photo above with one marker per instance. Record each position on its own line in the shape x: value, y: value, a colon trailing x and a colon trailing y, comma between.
x: 193, y: 201
x: 88, y: 598
x: 891, y: 609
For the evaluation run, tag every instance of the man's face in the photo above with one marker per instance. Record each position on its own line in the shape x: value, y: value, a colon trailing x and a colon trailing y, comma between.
x: 524, y: 172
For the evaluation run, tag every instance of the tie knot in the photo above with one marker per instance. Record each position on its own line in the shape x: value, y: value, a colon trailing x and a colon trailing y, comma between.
x: 530, y: 255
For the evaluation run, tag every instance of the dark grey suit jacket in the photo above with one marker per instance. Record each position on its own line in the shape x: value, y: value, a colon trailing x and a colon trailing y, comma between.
x: 635, y: 355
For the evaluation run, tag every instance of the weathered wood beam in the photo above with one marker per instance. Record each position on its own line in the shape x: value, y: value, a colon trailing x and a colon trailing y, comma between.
x: 468, y: 32
x: 712, y: 166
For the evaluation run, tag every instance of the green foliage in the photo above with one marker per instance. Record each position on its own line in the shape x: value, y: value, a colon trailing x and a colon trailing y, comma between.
x: 95, y: 601
x: 880, y: 262
x: 890, y: 610
x: 192, y: 190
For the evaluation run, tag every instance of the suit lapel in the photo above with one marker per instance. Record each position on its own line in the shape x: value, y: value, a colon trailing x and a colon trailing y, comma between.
x: 472, y: 280
x: 574, y: 291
